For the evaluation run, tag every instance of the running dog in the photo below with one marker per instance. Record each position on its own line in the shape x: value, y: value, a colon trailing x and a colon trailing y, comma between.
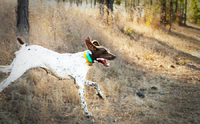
x: 64, y: 66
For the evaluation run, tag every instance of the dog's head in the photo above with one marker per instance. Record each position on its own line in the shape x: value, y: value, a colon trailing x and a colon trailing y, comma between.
x: 99, y: 53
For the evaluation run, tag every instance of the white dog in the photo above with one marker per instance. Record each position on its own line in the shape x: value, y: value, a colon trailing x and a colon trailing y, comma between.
x: 64, y: 66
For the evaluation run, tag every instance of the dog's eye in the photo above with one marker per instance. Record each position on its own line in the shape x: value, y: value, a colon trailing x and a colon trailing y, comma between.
x: 105, y: 52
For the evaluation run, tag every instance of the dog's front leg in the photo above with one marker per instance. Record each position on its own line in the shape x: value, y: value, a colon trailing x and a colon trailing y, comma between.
x: 96, y: 86
x: 81, y: 93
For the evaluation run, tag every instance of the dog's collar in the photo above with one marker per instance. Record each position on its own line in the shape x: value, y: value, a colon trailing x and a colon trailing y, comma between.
x: 88, y: 57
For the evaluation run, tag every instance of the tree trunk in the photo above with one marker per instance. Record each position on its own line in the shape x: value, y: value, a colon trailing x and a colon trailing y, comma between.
x: 151, y: 2
x: 71, y: 2
x: 176, y: 8
x: 23, y: 18
x: 163, y: 13
x: 77, y: 2
x: 185, y: 12
x: 170, y: 16
x: 102, y: 7
x: 110, y: 4
x: 133, y: 3
x: 80, y: 2
x: 126, y: 3
x: 95, y: 3
x: 109, y: 11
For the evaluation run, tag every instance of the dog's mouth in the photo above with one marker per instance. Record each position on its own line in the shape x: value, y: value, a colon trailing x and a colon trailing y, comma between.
x: 103, y: 61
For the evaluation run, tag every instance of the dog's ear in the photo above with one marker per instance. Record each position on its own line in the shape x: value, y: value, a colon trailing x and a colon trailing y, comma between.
x: 95, y: 42
x: 89, y: 45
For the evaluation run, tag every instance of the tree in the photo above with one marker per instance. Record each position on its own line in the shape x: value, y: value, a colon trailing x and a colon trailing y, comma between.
x: 133, y: 3
x: 185, y: 12
x: 77, y: 2
x: 71, y: 2
x: 171, y: 7
x: 109, y: 4
x: 176, y: 8
x: 163, y: 12
x: 95, y: 2
x: 102, y: 7
x: 23, y: 18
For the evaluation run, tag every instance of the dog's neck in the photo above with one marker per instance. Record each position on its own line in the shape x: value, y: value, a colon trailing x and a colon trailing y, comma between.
x: 88, y: 57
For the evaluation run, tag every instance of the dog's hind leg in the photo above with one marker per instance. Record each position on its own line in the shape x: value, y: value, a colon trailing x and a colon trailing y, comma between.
x: 96, y: 86
x: 15, y: 74
x: 5, y: 69
x: 18, y: 68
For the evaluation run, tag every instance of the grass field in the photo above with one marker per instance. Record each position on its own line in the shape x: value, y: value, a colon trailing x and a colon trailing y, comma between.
x: 164, y: 66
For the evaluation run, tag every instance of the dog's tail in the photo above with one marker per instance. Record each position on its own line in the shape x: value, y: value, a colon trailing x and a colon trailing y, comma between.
x: 5, y: 69
x: 20, y: 40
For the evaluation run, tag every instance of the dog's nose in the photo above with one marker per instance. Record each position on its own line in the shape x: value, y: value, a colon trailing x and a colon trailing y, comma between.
x: 114, y: 56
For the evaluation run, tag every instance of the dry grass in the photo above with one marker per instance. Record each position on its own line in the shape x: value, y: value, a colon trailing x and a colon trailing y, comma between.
x: 147, y: 56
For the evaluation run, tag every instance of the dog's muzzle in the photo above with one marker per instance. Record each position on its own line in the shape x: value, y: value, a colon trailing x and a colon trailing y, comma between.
x: 103, y: 61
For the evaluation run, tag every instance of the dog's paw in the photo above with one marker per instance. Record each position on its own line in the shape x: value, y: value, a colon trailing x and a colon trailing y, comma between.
x: 100, y: 95
x: 88, y: 115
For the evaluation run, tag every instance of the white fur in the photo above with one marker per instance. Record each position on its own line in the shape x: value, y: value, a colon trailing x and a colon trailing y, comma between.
x: 63, y: 66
